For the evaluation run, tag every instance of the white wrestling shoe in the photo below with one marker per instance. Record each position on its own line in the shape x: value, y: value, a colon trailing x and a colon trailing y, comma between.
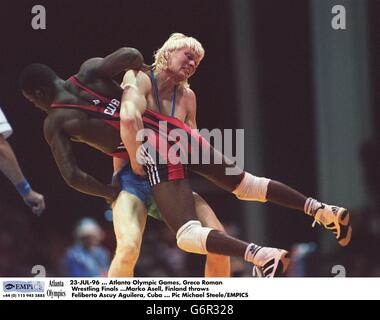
x: 337, y: 220
x: 270, y: 262
x: 257, y: 272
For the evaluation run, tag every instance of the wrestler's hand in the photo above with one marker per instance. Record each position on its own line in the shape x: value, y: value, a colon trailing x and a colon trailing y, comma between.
x: 36, y: 201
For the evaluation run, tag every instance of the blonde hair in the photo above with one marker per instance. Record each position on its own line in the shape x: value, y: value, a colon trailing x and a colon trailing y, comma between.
x: 177, y: 41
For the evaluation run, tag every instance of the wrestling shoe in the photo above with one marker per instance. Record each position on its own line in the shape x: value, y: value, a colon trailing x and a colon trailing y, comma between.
x: 257, y: 272
x: 270, y: 262
x: 335, y: 219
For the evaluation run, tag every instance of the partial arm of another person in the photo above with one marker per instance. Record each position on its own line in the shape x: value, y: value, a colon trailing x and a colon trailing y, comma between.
x: 61, y: 148
x: 136, y: 86
x: 113, y: 64
x: 11, y: 168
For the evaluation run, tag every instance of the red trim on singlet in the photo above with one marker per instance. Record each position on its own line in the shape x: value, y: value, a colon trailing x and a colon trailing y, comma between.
x: 176, y: 172
x: 174, y: 121
x: 76, y: 106
x: 164, y: 133
x: 113, y: 123
x: 74, y: 80
x: 178, y: 124
x: 152, y: 122
x: 162, y: 138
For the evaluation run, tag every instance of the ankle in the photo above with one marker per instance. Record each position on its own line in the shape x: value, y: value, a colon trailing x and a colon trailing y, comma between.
x: 250, y: 252
x: 312, y: 206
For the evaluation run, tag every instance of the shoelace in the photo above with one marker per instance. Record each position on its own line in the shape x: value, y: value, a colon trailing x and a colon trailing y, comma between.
x: 315, y: 219
x: 320, y: 223
x: 315, y: 222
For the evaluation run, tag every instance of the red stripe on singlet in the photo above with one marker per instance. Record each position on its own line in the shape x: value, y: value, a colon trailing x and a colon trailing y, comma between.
x: 74, y: 80
x: 162, y: 139
x: 173, y: 121
x: 113, y: 123
x: 76, y: 106
x: 176, y: 172
x: 202, y: 142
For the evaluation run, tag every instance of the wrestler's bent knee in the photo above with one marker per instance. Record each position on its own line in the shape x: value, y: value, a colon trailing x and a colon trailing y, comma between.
x: 191, y: 237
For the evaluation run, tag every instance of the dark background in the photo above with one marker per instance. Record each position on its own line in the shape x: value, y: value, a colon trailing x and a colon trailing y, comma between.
x: 78, y: 30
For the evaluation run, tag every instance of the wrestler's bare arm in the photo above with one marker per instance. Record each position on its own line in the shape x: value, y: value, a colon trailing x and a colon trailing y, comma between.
x: 113, y: 64
x: 133, y: 104
x: 59, y: 140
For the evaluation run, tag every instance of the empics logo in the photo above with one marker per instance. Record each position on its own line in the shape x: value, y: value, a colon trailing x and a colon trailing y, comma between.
x: 23, y: 286
x: 9, y: 286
